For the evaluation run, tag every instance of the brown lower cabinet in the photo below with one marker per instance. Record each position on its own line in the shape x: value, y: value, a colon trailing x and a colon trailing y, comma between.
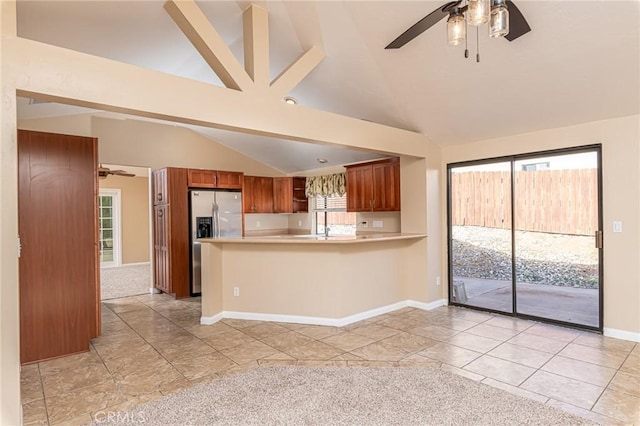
x: 171, y: 232
x: 58, y: 228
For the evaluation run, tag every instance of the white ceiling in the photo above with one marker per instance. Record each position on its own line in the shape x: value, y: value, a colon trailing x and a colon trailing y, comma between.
x: 580, y: 63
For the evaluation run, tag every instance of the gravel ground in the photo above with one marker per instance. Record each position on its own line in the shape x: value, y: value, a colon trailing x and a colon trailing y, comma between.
x: 550, y: 259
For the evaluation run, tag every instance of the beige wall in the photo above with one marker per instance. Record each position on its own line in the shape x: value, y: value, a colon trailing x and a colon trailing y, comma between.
x: 134, y: 216
x: 620, y: 139
x: 9, y: 299
x: 150, y: 144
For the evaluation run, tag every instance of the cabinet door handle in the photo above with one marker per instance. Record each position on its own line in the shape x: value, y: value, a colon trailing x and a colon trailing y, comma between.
x: 160, y: 214
x: 159, y: 196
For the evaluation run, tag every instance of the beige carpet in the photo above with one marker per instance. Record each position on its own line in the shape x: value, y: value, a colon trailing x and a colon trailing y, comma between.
x: 343, y: 396
x: 124, y: 281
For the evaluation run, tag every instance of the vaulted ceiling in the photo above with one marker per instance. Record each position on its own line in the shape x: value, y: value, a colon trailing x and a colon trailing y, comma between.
x: 580, y: 63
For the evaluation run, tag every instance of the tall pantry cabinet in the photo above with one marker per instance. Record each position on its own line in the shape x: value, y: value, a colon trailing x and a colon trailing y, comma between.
x: 58, y: 264
x: 171, y: 231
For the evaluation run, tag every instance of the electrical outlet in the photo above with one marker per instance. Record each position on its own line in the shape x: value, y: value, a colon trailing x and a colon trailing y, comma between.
x: 617, y: 226
x: 299, y: 224
x: 378, y: 224
x: 258, y: 224
x: 236, y: 291
x: 438, y: 281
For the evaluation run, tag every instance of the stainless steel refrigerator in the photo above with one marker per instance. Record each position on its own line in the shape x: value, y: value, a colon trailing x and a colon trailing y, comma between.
x: 213, y: 214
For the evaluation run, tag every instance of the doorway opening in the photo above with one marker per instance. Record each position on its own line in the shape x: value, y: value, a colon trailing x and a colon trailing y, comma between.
x: 124, y: 231
x: 524, y: 236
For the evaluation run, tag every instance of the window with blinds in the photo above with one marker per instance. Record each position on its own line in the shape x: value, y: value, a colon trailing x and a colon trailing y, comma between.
x: 332, y: 212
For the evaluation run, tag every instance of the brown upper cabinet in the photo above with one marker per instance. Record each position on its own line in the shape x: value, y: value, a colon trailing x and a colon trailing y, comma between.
x: 198, y: 178
x: 289, y: 195
x: 257, y: 194
x: 230, y: 180
x: 374, y: 186
x: 202, y: 178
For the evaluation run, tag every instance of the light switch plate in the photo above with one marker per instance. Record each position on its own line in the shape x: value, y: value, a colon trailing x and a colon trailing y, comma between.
x: 617, y: 226
x: 378, y: 224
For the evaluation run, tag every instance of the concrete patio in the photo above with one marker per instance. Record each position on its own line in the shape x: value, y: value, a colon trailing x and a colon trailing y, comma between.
x: 573, y: 305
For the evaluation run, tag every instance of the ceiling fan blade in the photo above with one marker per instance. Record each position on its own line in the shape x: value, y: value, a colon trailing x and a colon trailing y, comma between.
x: 518, y: 26
x: 423, y: 25
x: 123, y: 174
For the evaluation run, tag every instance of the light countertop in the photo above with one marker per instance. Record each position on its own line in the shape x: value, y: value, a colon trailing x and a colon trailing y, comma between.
x: 315, y: 239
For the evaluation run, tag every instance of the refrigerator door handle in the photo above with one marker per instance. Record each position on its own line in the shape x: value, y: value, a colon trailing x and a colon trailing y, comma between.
x: 216, y: 222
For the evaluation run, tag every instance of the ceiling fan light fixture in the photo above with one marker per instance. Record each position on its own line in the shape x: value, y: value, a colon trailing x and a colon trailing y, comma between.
x: 290, y: 100
x: 478, y: 12
x: 456, y: 28
x: 499, y: 21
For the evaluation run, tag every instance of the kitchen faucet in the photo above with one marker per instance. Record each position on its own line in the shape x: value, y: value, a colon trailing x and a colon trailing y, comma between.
x: 326, y: 231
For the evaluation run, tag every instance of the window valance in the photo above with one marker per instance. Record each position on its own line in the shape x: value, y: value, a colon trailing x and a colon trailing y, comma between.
x: 326, y: 186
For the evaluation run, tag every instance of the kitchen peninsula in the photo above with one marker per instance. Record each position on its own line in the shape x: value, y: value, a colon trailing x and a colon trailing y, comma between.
x: 305, y: 278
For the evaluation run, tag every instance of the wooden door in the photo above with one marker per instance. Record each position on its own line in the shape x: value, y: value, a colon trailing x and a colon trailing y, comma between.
x: 283, y: 195
x: 58, y: 226
x: 386, y: 186
x: 263, y: 195
x: 229, y: 180
x: 359, y: 189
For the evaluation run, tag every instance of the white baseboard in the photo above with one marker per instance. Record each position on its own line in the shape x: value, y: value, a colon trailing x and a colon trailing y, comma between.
x: 296, y: 319
x: 428, y: 306
x: 211, y: 320
x: 332, y: 322
x: 621, y: 334
x: 134, y: 264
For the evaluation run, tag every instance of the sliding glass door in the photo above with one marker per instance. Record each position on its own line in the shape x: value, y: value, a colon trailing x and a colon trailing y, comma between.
x: 480, y: 236
x: 556, y: 225
x: 524, y: 236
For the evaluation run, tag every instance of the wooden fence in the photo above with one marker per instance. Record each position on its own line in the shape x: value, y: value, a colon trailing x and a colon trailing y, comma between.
x: 553, y: 201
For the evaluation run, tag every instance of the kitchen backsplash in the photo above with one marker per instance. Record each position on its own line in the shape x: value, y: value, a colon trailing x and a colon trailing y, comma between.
x: 377, y: 222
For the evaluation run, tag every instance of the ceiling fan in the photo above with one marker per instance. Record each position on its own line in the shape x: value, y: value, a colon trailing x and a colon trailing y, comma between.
x: 505, y: 20
x: 103, y: 172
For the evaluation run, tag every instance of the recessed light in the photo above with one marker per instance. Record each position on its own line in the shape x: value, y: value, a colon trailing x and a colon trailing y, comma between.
x: 289, y: 100
x: 322, y: 160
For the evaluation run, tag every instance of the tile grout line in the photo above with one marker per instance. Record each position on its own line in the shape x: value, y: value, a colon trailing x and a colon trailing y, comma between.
x: 44, y: 397
x: 193, y: 335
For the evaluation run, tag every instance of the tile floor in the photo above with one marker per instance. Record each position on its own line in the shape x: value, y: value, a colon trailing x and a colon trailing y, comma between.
x: 153, y: 345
